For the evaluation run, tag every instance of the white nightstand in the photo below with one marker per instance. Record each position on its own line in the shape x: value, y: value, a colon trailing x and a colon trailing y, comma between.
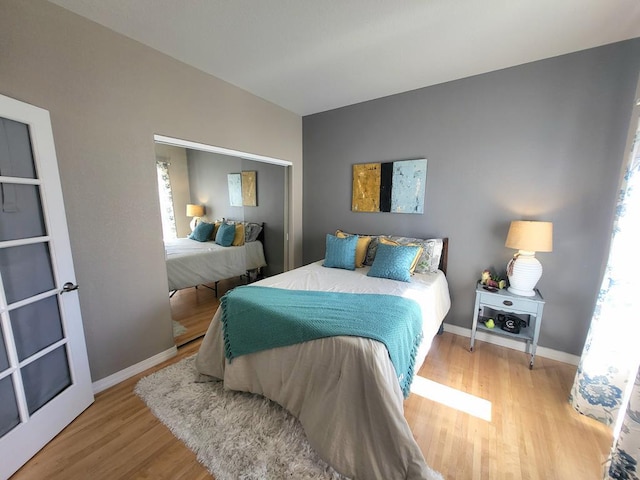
x: 489, y: 304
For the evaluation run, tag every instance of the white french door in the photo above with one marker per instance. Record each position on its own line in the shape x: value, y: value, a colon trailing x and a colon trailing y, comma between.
x: 44, y: 371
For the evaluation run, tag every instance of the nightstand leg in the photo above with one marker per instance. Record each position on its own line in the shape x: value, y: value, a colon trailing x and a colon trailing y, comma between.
x: 533, y: 356
x: 474, y: 326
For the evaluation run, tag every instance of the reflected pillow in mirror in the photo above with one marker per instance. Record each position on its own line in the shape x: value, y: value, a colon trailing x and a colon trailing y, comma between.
x: 252, y: 231
x: 226, y: 234
x: 202, y: 232
x: 238, y: 238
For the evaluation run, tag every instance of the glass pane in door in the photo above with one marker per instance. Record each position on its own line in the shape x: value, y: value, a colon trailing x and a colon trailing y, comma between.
x: 26, y: 271
x: 20, y: 212
x: 45, y: 378
x: 36, y: 326
x: 16, y: 158
x: 9, y: 416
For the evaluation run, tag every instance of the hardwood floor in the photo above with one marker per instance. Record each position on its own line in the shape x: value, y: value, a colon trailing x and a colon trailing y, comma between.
x: 117, y: 437
x: 532, y: 432
x: 194, y: 307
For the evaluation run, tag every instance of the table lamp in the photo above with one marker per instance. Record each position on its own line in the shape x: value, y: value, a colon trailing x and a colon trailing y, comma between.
x: 195, y: 211
x: 524, y: 270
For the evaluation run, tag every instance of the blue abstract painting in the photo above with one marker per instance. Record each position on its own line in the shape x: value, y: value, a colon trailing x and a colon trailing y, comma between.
x: 234, y: 180
x: 408, y: 186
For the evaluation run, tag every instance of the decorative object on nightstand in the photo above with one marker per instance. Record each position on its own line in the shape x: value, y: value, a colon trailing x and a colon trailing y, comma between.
x: 524, y: 269
x: 491, y: 281
x: 195, y: 211
x: 502, y: 313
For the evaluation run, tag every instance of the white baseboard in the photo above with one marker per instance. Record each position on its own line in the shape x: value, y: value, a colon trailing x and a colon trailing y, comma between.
x: 545, y: 352
x: 514, y: 344
x: 129, y: 372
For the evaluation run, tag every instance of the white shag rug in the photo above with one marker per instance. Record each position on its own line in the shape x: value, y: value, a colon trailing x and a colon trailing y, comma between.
x: 178, y: 328
x: 234, y: 435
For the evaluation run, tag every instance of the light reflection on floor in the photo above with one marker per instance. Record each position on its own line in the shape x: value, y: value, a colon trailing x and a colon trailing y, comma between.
x: 464, y: 402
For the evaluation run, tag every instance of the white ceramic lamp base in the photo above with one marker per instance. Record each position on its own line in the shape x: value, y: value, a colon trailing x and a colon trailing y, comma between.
x: 524, y: 270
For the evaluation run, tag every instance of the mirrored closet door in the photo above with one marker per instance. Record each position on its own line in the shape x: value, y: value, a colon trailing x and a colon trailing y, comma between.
x: 201, y: 178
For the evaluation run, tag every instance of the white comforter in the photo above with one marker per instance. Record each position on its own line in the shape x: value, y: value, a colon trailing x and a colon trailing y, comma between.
x: 344, y: 390
x: 191, y: 263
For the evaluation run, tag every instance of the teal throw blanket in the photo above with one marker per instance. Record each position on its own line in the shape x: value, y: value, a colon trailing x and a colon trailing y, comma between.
x: 259, y: 318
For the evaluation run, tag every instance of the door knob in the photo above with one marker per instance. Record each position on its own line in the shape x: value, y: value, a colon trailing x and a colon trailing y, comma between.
x: 69, y: 287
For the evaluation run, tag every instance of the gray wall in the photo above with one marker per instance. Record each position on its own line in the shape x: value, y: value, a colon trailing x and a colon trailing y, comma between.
x: 270, y: 211
x: 541, y: 141
x: 108, y: 95
x: 208, y: 183
x: 209, y: 187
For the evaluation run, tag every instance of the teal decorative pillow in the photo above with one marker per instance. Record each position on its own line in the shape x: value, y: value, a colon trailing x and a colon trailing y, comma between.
x: 431, y: 252
x: 341, y: 252
x: 225, y: 235
x: 202, y: 232
x: 393, y: 262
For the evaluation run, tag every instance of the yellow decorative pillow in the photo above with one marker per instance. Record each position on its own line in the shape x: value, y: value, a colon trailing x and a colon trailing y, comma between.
x: 238, y: 239
x: 361, y: 246
x: 388, y: 241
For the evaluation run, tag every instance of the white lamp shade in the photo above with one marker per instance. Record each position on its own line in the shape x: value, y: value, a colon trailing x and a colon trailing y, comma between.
x: 524, y: 269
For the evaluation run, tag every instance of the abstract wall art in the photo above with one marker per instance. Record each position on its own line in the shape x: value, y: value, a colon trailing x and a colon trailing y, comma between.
x: 249, y: 198
x: 396, y: 187
x: 242, y: 189
x: 234, y: 181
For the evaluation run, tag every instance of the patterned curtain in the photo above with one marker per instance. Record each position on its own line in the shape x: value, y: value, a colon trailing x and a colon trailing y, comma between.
x: 604, y: 386
x: 623, y: 463
x: 166, y: 201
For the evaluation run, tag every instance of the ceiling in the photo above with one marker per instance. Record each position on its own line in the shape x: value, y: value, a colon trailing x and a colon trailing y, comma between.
x: 310, y: 56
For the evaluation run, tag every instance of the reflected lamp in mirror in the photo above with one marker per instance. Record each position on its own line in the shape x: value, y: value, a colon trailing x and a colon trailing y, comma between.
x: 524, y: 269
x: 195, y: 211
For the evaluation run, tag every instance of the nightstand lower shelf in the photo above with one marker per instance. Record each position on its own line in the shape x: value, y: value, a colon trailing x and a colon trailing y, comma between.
x: 525, y: 334
x: 491, y: 304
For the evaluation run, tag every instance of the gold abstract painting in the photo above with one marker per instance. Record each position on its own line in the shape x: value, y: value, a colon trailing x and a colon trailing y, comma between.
x: 249, y: 198
x: 366, y: 188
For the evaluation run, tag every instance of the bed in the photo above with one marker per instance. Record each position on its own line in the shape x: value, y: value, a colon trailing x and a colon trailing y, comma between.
x: 344, y: 389
x: 191, y: 263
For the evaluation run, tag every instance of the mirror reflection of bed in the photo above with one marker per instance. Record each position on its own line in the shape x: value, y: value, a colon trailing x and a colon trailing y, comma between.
x: 190, y: 175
